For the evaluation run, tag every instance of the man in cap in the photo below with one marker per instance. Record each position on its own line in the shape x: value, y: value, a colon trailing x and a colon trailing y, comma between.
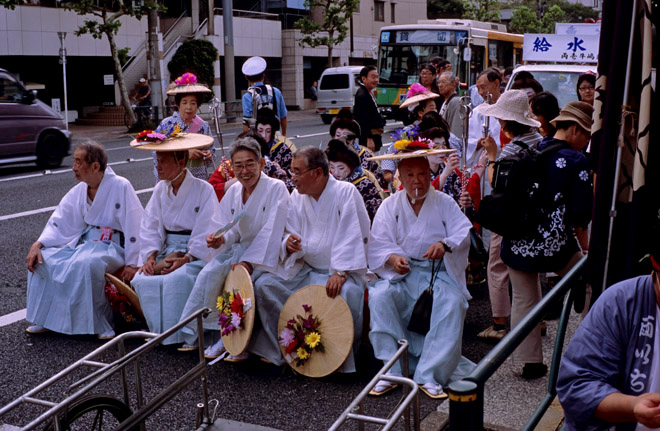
x: 93, y: 230
x: 419, y: 240
x: 560, y: 239
x: 143, y: 97
x: 266, y: 96
x: 610, y: 373
x: 325, y: 242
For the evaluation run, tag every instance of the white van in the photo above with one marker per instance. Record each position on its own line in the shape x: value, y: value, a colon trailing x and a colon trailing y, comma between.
x: 337, y: 87
x: 558, y: 79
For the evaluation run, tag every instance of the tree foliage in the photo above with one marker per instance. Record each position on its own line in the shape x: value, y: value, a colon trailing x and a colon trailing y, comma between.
x: 445, y: 9
x: 524, y: 20
x: 333, y: 28
x: 482, y: 10
x: 194, y: 56
x: 553, y: 15
x: 573, y: 12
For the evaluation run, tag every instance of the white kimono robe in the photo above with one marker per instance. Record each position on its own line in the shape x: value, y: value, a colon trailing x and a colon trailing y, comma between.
x: 194, y: 208
x: 334, y: 232
x: 255, y: 239
x: 435, y: 357
x: 66, y: 293
x: 476, y: 131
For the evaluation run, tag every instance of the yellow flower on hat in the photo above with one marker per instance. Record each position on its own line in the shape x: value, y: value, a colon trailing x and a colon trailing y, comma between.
x: 401, y: 145
x: 313, y: 339
x: 302, y: 353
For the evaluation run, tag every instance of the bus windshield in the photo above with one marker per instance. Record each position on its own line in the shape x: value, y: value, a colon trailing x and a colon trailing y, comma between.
x: 400, y: 64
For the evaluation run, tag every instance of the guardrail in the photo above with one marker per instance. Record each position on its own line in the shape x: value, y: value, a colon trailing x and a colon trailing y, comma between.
x: 466, y: 397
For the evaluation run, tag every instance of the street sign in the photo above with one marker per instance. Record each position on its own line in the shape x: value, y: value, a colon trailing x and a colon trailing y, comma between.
x: 108, y: 80
x: 560, y: 48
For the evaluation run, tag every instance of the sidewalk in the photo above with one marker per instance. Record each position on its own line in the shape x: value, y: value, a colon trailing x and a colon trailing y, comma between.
x: 97, y: 133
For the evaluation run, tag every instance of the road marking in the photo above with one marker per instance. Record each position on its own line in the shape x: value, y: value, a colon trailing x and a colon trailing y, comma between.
x: 48, y: 209
x: 14, y: 317
x: 64, y: 171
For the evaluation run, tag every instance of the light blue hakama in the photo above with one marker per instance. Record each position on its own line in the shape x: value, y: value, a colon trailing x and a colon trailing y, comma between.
x: 436, y: 357
x: 208, y: 286
x: 66, y: 293
x: 272, y: 291
x: 163, y: 297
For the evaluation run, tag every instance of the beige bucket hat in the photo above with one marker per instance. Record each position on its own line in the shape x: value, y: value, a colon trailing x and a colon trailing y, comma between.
x: 513, y: 105
x: 577, y: 112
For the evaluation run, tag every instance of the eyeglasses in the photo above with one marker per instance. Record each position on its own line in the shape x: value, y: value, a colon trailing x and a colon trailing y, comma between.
x: 443, y: 81
x: 247, y: 166
x: 300, y: 174
x: 586, y: 88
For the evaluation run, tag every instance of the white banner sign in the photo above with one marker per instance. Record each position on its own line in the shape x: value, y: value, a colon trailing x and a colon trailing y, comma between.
x: 560, y: 48
x: 577, y: 28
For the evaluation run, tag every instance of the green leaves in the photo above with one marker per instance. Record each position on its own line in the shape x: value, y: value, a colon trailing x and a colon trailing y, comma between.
x: 335, y: 15
x: 524, y: 20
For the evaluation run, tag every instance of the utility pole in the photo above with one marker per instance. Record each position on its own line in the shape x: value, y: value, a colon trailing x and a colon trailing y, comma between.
x: 62, y: 35
x: 228, y: 29
x: 154, y: 64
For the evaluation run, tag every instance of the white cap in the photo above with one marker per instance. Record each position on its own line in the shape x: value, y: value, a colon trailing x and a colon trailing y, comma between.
x: 143, y: 80
x: 254, y: 66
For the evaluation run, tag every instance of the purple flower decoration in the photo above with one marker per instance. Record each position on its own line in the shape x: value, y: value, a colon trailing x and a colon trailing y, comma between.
x: 228, y: 330
x: 235, y: 320
x: 286, y: 337
x: 158, y: 136
x: 307, y: 308
x: 223, y: 320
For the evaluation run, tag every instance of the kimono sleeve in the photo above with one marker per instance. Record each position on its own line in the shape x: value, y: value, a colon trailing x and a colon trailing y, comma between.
x: 208, y: 220
x: 593, y: 366
x: 349, y: 247
x: 152, y: 231
x: 382, y: 241
x: 291, y: 263
x: 67, y: 223
x: 130, y: 220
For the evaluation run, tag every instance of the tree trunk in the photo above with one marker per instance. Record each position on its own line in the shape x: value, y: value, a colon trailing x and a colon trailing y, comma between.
x: 330, y: 34
x: 125, y: 101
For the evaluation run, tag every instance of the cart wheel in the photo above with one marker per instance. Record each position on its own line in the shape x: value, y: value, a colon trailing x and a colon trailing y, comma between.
x: 94, y: 412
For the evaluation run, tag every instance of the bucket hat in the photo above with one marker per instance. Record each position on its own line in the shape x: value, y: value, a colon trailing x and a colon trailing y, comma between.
x: 512, y: 105
x: 577, y: 112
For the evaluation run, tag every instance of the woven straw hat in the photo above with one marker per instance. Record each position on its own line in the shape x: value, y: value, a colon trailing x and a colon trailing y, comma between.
x: 513, y: 105
x: 187, y: 83
x: 414, y: 100
x: 412, y: 154
x: 577, y: 112
x: 237, y: 341
x: 128, y: 292
x: 183, y: 141
x: 336, y: 329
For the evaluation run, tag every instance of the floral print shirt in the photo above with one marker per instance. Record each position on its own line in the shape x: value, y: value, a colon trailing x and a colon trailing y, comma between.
x: 281, y: 154
x: 567, y: 202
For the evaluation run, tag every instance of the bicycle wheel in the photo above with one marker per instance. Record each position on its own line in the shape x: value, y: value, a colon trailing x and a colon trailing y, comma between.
x: 94, y: 413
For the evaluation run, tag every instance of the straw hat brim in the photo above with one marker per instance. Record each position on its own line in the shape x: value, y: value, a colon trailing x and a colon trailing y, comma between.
x: 414, y: 100
x: 496, y: 111
x: 183, y: 141
x: 237, y: 341
x: 336, y: 329
x: 419, y: 153
x: 128, y: 292
x: 188, y: 88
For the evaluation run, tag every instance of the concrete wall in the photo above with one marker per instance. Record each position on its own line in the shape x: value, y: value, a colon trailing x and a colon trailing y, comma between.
x: 29, y: 30
x: 251, y: 37
x: 406, y: 12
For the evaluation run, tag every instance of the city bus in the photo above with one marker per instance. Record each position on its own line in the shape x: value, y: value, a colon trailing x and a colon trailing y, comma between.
x: 403, y: 49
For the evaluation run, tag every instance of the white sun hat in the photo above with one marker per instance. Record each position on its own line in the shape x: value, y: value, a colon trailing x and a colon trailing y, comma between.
x: 513, y: 105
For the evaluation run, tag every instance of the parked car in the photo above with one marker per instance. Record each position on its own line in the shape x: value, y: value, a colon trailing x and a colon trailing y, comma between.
x: 30, y: 130
x: 337, y: 88
x: 558, y: 79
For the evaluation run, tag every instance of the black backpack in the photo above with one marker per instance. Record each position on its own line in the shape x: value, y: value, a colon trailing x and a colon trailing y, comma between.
x: 514, y: 208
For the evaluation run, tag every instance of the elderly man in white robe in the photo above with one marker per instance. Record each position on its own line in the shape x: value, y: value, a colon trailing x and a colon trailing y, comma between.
x: 253, y: 242
x: 413, y: 234
x: 93, y: 230
x: 325, y: 240
x: 173, y: 249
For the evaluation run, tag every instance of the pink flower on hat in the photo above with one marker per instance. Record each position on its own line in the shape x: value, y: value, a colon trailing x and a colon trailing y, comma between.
x: 186, y: 78
x: 415, y: 89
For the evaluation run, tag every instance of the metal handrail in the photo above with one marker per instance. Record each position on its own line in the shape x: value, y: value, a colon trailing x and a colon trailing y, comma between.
x: 111, y: 368
x: 248, y: 13
x: 411, y: 394
x: 466, y: 401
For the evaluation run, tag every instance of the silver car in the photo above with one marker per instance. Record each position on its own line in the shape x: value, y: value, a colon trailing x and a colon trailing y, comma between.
x: 30, y: 130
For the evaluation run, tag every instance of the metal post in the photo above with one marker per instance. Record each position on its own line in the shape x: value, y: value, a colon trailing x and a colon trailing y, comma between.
x: 465, y: 406
x: 62, y: 35
x: 228, y: 30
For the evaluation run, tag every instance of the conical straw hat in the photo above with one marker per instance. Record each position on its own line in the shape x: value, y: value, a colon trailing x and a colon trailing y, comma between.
x: 239, y: 279
x: 411, y: 154
x: 128, y: 292
x: 182, y: 142
x: 336, y: 329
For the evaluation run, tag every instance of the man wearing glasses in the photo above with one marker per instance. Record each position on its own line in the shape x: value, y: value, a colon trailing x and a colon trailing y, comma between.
x: 325, y: 242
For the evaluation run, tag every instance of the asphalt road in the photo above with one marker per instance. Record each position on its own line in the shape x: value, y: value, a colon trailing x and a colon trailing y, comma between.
x: 251, y: 392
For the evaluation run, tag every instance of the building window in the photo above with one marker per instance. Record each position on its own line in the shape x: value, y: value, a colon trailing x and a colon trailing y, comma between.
x: 393, y: 9
x: 379, y: 10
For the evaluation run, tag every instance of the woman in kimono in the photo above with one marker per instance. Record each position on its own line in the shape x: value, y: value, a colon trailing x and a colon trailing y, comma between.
x: 253, y: 242
x: 173, y: 249
x: 188, y: 96
x: 280, y: 149
x: 345, y: 166
x: 93, y: 230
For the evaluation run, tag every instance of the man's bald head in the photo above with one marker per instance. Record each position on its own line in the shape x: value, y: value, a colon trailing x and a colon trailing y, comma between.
x: 415, y: 174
